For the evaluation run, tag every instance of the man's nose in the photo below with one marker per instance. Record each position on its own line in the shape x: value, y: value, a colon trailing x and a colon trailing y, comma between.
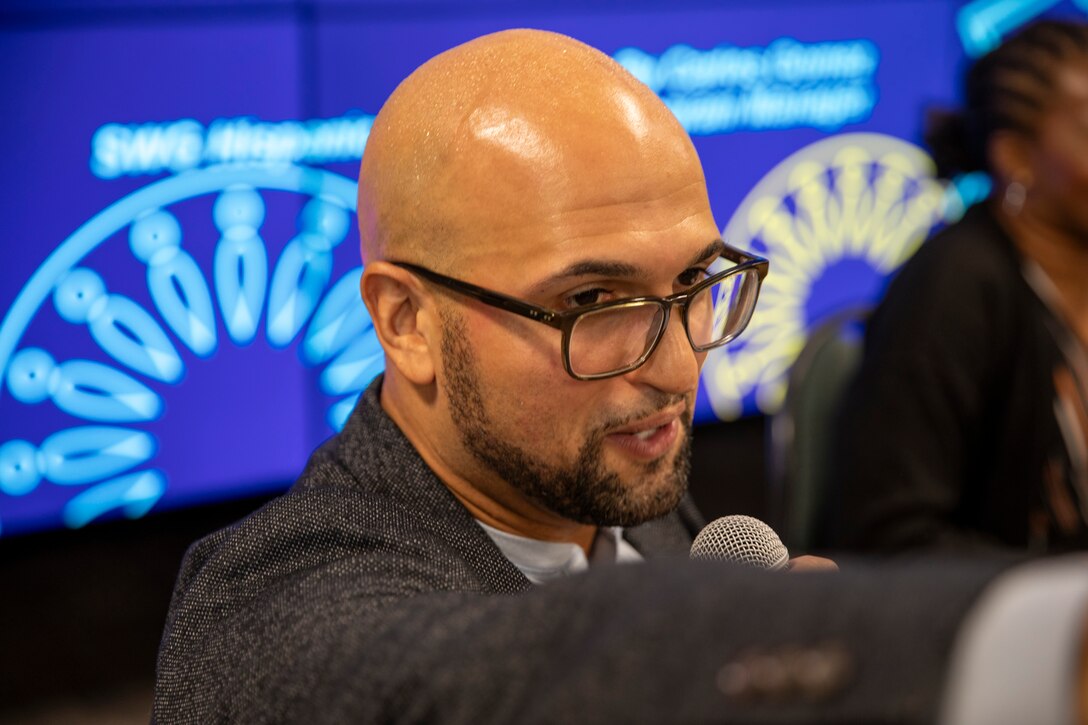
x: 673, y: 367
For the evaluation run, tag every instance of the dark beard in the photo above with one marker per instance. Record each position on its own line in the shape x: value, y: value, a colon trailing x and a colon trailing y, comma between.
x: 584, y: 491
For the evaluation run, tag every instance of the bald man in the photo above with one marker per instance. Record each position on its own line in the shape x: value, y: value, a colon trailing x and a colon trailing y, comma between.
x: 531, y: 165
x: 545, y: 276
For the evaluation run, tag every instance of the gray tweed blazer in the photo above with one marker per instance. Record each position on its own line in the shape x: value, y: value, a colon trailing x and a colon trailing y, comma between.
x: 367, y: 593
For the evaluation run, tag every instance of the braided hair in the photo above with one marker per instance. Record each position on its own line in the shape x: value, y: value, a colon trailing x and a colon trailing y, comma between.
x: 1006, y: 89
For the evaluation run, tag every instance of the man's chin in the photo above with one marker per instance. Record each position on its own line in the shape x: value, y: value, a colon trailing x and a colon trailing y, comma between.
x: 635, y: 512
x: 648, y: 489
x: 662, y: 499
x: 641, y: 499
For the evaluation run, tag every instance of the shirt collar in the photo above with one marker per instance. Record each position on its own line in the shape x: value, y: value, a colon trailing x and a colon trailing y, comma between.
x: 543, y: 561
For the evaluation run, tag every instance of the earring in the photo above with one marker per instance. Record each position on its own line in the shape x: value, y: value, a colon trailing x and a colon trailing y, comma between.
x: 1015, y: 196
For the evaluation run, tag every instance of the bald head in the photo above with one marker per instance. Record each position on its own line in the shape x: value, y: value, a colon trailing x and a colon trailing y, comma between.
x: 532, y: 165
x: 507, y: 130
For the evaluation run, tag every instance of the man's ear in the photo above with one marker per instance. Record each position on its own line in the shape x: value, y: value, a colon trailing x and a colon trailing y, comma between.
x: 404, y: 320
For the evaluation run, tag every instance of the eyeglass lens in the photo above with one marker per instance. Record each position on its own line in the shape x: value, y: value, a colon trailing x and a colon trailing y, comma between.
x: 721, y: 311
x: 615, y: 338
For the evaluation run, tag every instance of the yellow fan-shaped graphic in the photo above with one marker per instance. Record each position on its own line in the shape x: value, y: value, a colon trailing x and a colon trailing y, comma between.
x: 867, y: 199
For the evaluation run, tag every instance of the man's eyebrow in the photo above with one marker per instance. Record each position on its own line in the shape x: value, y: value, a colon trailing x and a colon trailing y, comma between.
x: 713, y: 249
x: 591, y: 267
x: 615, y: 269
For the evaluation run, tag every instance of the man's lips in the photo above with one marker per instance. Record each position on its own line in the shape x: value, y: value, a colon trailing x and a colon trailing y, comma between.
x: 650, y: 437
x: 650, y: 422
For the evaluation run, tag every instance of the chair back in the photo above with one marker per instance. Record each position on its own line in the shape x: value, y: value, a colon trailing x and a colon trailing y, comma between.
x: 801, y: 434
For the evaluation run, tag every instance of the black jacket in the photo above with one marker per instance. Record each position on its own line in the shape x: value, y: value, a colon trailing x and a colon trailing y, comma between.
x: 948, y: 436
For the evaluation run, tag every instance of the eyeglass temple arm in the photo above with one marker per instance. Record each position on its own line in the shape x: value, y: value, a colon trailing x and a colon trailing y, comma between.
x: 740, y: 257
x: 494, y: 299
x: 733, y: 254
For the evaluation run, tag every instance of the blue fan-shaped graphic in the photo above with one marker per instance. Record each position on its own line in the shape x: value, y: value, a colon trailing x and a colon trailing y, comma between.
x: 108, y: 459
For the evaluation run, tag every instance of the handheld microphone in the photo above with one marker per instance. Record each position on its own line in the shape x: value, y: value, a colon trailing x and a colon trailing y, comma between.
x: 741, y: 540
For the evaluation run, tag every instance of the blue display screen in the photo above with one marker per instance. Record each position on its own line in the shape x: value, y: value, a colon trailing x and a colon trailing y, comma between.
x: 180, y: 316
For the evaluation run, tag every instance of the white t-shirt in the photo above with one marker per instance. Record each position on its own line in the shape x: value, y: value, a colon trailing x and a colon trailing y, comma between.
x: 543, y: 561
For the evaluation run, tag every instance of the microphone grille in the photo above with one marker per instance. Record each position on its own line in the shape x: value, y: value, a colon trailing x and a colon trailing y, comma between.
x: 742, y: 540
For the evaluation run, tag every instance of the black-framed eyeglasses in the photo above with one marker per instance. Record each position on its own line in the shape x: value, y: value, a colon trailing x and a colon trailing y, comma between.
x: 611, y: 338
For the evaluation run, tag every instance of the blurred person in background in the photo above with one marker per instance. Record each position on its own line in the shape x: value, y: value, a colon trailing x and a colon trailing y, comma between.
x: 967, y: 425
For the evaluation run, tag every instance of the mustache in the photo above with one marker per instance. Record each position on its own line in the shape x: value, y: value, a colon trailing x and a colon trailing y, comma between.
x: 657, y: 403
